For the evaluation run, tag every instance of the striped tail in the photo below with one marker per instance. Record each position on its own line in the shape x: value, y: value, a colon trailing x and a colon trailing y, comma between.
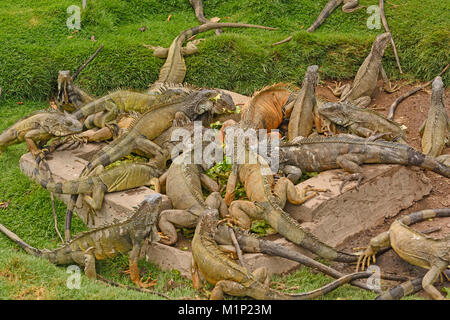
x: 403, y: 289
x: 422, y: 215
x: 25, y: 246
x: 419, y: 159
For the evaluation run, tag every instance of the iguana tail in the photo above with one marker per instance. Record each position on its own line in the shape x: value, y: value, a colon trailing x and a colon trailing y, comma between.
x: 403, y: 289
x: 419, y: 159
x: 25, y: 246
x: 273, y: 294
x: 82, y: 185
x: 326, y: 11
x: 184, y: 35
x: 422, y: 215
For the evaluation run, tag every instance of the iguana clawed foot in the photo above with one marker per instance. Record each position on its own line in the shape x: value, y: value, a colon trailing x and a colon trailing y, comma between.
x: 133, y: 272
x: 364, y: 259
x: 391, y: 89
x: 349, y: 177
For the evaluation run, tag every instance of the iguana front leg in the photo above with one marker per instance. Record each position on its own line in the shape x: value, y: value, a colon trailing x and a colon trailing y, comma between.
x: 284, y: 189
x: 378, y: 243
x: 134, y: 268
x: 242, y: 211
x: 231, y: 188
x: 31, y: 144
x: 168, y: 219
x: 431, y: 277
x: 149, y: 148
x: 209, y: 183
x: 350, y: 163
x: 386, y: 83
x: 195, y: 275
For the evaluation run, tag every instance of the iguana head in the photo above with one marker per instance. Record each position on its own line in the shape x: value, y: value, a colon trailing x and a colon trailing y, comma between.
x: 64, y: 124
x: 312, y: 75
x: 146, y: 217
x: 64, y: 83
x: 336, y: 112
x: 381, y: 43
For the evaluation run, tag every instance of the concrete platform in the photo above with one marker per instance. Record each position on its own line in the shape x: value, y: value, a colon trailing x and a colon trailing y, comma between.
x: 333, y: 217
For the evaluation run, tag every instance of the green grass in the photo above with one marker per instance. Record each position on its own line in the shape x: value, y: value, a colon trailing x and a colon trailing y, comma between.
x: 35, y: 44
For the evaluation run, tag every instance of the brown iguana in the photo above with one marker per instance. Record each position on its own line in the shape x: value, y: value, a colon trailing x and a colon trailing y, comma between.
x: 366, y: 78
x: 349, y: 6
x: 305, y: 106
x: 70, y: 97
x: 105, y: 242
x: 231, y: 278
x: 184, y: 188
x: 39, y: 127
x: 267, y: 202
x: 362, y: 122
x: 93, y: 188
x: 174, y: 69
x: 348, y: 152
x: 435, y: 130
x: 414, y: 247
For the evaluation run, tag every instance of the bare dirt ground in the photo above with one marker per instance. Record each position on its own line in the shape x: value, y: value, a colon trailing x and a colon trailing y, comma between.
x: 411, y: 113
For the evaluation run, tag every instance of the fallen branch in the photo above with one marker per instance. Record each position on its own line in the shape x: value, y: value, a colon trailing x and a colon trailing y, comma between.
x: 282, y: 41
x: 86, y: 63
x: 403, y: 97
x: 115, y: 284
x: 386, y: 27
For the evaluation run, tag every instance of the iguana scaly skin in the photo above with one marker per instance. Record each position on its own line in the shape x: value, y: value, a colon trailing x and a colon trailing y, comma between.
x: 184, y: 188
x: 229, y: 277
x: 366, y: 78
x: 105, y: 242
x: 70, y: 97
x: 302, y: 115
x: 362, y: 122
x: 39, y: 126
x: 436, y: 128
x: 154, y: 122
x: 252, y: 244
x: 104, y: 110
x: 348, y: 152
x: 349, y: 6
x: 414, y: 247
x: 267, y: 202
x: 174, y: 69
x: 93, y: 188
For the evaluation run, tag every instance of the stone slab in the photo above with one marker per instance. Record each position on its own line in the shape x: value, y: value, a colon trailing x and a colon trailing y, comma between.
x: 386, y: 190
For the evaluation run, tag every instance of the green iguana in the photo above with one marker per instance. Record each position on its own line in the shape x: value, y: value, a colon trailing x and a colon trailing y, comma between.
x: 184, y: 188
x: 174, y: 69
x: 39, y: 127
x: 414, y: 247
x: 104, y: 110
x: 154, y: 122
x: 435, y: 130
x: 70, y: 97
x: 362, y: 122
x: 93, y: 188
x: 231, y: 278
x: 197, y: 5
x: 366, y: 78
x: 348, y: 152
x: 105, y: 242
x: 267, y: 202
x: 349, y: 6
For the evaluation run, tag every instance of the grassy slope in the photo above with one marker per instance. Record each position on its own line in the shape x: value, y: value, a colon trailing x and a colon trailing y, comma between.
x: 34, y: 46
